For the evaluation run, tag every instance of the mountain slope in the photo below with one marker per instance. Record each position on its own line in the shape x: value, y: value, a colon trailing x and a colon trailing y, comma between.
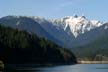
x: 28, y: 24
x: 55, y: 31
x: 21, y: 47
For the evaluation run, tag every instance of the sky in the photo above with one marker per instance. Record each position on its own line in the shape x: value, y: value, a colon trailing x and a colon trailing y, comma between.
x: 92, y: 9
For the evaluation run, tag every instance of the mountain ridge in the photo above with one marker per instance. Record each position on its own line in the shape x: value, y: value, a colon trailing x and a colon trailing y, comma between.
x: 67, y: 32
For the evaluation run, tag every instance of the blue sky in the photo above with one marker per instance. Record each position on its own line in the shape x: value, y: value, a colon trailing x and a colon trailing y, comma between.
x: 92, y: 9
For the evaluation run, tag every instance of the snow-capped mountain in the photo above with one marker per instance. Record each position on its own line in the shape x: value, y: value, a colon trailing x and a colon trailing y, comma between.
x: 70, y: 31
x: 77, y: 24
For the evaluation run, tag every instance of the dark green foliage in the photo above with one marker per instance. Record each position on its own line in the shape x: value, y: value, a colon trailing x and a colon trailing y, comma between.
x: 18, y: 47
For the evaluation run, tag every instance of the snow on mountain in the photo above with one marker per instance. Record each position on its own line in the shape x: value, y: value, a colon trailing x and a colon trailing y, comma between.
x: 78, y: 24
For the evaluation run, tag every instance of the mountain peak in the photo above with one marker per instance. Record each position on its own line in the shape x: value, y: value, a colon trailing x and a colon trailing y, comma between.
x: 78, y: 24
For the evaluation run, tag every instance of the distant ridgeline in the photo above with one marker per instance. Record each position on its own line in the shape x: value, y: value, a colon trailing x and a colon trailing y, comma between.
x: 20, y: 47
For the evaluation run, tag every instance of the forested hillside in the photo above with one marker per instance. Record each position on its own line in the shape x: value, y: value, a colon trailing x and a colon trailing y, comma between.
x: 17, y: 46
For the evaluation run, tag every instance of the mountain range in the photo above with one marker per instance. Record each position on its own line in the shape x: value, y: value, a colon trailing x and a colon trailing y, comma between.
x: 68, y: 32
